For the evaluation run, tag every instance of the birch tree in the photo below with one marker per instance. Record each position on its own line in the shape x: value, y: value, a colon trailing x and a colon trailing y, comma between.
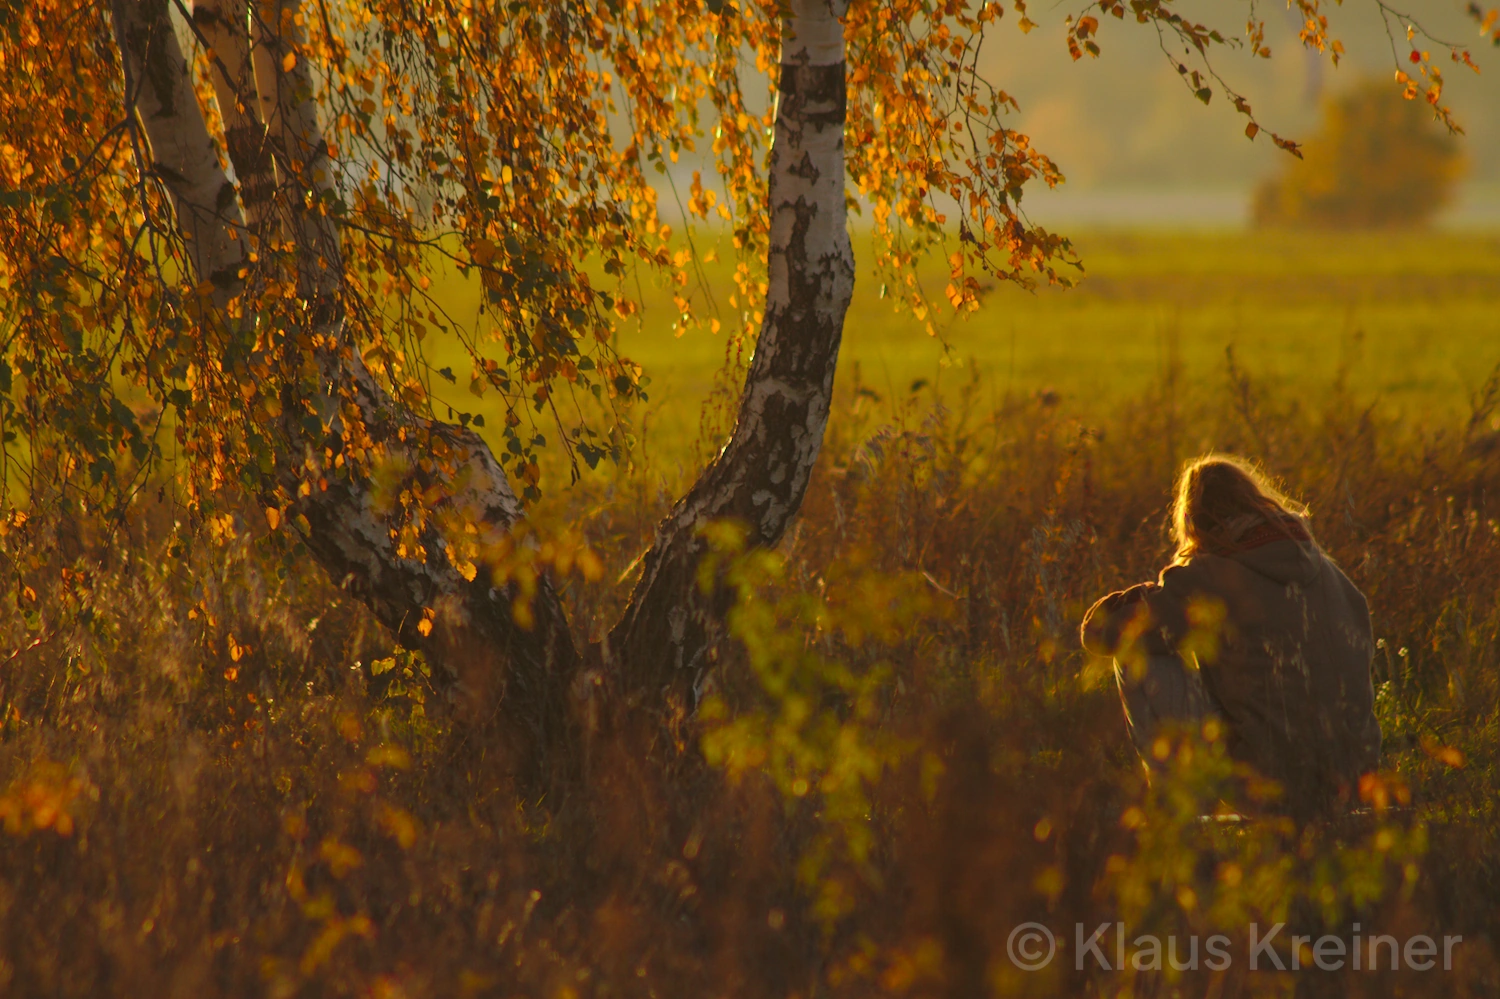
x: 226, y: 234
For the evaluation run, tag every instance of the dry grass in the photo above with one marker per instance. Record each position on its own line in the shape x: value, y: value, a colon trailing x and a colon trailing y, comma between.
x: 218, y: 778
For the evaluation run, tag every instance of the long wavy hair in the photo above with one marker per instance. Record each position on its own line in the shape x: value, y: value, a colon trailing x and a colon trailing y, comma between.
x: 1222, y: 502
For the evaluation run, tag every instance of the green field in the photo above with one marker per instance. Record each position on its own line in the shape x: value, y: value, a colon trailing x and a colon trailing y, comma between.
x: 1411, y: 318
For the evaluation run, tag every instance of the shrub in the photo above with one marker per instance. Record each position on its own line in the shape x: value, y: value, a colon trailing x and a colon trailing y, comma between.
x: 1380, y: 162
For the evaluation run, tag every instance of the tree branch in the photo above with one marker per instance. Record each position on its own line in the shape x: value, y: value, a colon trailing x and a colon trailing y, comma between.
x: 464, y: 620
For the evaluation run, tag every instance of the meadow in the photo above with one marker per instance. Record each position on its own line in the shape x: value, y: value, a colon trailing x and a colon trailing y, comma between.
x: 219, y: 777
x: 1410, y: 320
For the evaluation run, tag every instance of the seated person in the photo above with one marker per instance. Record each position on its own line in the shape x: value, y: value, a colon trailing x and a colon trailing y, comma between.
x: 1281, y: 638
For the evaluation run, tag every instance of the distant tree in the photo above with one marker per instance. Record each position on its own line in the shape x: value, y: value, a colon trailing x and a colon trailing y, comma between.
x: 1380, y: 162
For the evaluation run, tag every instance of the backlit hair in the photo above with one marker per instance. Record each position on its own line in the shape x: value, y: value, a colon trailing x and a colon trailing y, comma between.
x: 1220, y: 497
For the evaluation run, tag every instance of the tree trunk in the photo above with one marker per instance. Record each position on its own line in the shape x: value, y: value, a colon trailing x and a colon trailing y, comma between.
x: 760, y: 477
x: 527, y: 675
x: 221, y: 24
x: 520, y: 674
x: 159, y: 92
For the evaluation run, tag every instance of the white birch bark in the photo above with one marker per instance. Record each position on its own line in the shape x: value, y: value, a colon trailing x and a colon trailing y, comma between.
x: 761, y: 475
x: 224, y: 25
x: 286, y: 104
x: 524, y: 672
x: 159, y: 89
x: 523, y: 675
x: 759, y: 479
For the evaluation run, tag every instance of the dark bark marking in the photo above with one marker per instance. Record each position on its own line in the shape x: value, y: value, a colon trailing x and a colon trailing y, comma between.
x: 250, y: 153
x: 814, y: 95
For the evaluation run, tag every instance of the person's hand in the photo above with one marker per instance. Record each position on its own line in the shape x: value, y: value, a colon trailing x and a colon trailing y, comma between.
x: 1128, y: 596
x: 1103, y: 624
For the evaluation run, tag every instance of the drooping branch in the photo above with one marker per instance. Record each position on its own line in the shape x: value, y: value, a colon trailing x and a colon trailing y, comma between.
x: 761, y: 475
x: 518, y: 666
x: 341, y: 430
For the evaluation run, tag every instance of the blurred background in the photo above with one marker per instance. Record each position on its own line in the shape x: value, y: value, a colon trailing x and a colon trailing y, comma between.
x: 1138, y: 150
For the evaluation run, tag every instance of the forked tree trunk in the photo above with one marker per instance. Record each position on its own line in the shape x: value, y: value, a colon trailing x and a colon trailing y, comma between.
x: 527, y: 676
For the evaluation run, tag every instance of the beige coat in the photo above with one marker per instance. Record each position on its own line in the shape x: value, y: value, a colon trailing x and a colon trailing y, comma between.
x: 1284, y: 644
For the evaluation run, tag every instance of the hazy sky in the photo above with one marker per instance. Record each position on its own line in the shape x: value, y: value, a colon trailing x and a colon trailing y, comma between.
x: 1138, y: 148
x: 1125, y: 120
x: 1135, y: 145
